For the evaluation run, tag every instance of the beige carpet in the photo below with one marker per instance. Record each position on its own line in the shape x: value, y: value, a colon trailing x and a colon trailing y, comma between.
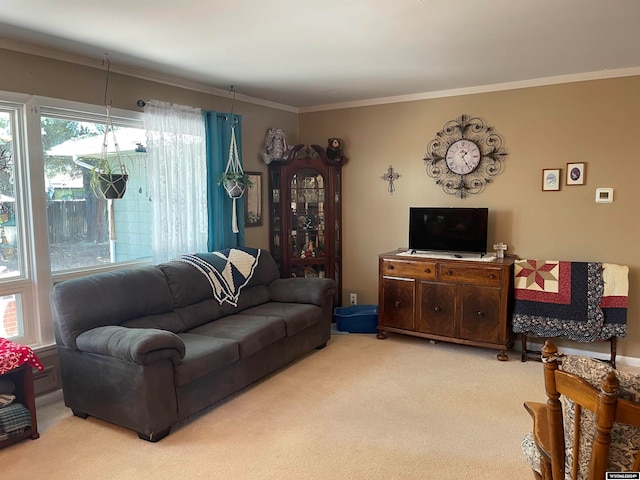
x: 362, y: 408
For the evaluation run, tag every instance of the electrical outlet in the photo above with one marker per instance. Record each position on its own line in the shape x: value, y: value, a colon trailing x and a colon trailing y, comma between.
x: 353, y: 299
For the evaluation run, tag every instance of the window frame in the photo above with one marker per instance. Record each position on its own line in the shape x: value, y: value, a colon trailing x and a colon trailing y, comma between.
x: 35, y: 283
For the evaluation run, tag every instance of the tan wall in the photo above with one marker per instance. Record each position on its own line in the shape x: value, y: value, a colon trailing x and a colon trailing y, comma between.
x: 546, y: 127
x: 35, y: 75
x: 596, y: 122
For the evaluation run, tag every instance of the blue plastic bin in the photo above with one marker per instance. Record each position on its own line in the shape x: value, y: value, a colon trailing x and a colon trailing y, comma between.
x: 357, y: 318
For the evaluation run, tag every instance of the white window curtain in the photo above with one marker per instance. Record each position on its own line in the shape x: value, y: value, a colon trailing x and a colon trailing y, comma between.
x: 176, y: 149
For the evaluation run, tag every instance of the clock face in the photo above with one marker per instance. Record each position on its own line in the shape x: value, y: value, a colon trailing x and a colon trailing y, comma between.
x: 463, y: 156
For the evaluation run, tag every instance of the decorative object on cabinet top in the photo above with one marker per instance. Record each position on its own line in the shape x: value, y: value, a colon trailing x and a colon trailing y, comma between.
x: 310, y: 152
x: 464, y: 156
x: 275, y: 145
x: 334, y: 148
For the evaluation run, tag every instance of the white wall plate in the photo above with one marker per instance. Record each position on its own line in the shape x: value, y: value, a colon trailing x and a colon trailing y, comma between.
x: 604, y: 195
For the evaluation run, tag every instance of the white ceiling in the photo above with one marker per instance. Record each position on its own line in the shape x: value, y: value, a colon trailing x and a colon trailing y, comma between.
x: 310, y: 53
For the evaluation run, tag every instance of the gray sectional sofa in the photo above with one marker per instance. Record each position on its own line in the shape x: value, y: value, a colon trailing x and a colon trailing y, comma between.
x: 147, y: 347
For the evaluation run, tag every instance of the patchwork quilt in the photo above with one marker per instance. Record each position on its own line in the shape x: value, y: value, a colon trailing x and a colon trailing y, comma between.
x: 582, y: 301
x: 227, y: 271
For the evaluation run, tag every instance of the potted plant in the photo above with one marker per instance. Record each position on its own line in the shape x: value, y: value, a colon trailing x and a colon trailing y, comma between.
x: 234, y: 183
x: 110, y: 180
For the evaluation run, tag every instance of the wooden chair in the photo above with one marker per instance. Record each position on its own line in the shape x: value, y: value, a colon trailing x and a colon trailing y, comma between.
x: 583, y: 431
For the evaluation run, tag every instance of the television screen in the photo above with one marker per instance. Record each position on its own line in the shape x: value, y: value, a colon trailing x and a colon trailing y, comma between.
x: 448, y: 229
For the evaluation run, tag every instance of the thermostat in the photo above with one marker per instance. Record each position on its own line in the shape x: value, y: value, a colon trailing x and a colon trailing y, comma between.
x: 604, y: 195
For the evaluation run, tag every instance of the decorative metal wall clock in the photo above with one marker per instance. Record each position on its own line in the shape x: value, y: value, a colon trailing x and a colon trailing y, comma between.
x: 465, y: 156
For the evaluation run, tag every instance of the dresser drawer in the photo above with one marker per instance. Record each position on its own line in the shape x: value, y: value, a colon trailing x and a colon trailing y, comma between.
x: 466, y: 274
x: 406, y: 269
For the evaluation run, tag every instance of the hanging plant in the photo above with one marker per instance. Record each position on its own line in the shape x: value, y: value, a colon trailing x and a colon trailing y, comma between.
x: 234, y: 179
x: 235, y: 183
x: 109, y: 176
x: 107, y: 183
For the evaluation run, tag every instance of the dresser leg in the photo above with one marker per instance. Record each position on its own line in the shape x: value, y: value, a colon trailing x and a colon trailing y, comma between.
x: 502, y: 356
x: 381, y: 335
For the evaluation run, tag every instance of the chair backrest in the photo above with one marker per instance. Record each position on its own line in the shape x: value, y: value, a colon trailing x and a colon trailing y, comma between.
x: 592, y: 429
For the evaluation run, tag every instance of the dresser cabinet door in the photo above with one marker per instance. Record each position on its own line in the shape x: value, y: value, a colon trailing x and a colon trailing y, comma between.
x: 437, y: 309
x: 397, y: 303
x: 480, y: 319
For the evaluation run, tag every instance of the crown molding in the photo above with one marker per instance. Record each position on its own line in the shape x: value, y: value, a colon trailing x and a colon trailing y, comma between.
x: 180, y: 82
x: 144, y: 74
x: 538, y: 82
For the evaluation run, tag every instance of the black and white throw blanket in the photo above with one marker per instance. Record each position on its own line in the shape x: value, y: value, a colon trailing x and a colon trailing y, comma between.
x: 227, y: 271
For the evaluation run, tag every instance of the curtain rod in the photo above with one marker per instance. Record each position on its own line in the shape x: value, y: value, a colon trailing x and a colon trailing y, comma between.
x: 141, y: 103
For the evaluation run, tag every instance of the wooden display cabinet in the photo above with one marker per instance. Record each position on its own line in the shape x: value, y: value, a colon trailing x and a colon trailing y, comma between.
x: 305, y: 208
x: 459, y: 301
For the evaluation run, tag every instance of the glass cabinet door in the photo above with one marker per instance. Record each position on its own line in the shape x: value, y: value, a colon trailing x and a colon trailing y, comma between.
x: 308, y: 223
x: 337, y: 233
x: 276, y: 234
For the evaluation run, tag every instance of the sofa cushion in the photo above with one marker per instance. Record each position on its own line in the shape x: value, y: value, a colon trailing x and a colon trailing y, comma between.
x: 297, y: 316
x: 204, y: 354
x: 209, y: 309
x: 170, y: 321
x: 108, y: 298
x: 309, y: 290
x: 186, y: 283
x: 252, y: 296
x: 266, y: 271
x: 252, y: 332
x: 189, y: 286
x: 203, y: 312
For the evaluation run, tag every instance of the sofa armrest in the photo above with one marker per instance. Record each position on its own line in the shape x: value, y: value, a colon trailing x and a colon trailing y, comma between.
x: 137, y: 345
x: 302, y: 290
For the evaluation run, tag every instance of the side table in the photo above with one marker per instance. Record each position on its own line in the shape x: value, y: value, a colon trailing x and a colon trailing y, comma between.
x: 22, y: 377
x: 18, y: 420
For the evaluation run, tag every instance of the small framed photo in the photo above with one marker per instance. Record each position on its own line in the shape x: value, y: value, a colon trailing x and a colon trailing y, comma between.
x: 253, y: 201
x: 550, y: 179
x: 575, y: 173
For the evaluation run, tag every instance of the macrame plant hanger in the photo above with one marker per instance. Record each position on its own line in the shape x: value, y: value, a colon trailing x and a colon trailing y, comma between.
x: 118, y: 188
x: 234, y: 184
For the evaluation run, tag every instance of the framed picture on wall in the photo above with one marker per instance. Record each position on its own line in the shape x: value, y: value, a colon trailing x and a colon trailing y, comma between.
x: 253, y: 201
x: 575, y: 173
x: 550, y: 179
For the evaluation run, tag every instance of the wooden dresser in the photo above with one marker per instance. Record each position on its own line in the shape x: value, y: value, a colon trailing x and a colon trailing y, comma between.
x: 459, y: 301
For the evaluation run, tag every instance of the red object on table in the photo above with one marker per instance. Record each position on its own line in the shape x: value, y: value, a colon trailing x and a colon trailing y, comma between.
x: 13, y: 355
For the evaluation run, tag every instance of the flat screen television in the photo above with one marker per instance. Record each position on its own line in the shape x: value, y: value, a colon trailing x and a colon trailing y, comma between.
x: 448, y: 229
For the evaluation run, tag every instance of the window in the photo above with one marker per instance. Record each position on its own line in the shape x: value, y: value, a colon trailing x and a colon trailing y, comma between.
x: 15, y: 283
x: 10, y: 265
x: 80, y: 234
x: 52, y: 225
